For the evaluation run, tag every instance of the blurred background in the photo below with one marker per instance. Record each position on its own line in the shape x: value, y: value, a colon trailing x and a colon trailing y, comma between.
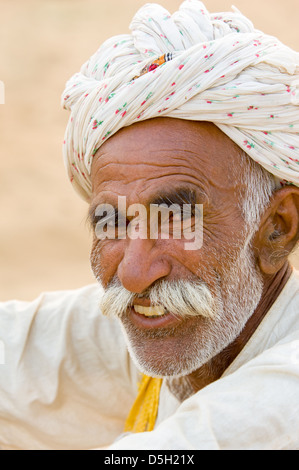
x: 44, y: 239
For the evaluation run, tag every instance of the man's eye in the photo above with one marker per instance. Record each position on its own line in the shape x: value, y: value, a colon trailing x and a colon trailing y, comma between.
x: 111, y: 226
x: 102, y: 221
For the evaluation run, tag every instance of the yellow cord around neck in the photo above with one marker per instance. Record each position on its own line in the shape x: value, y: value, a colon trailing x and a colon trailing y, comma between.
x: 143, y: 414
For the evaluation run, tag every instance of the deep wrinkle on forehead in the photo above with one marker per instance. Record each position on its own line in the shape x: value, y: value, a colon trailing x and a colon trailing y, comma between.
x: 159, y: 165
x: 146, y: 190
x: 164, y: 146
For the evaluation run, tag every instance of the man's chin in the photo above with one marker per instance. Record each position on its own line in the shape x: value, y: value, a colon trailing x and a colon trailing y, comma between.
x: 167, y: 352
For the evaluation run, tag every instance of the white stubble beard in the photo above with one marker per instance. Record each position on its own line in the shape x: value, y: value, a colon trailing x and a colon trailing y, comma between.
x: 238, y: 294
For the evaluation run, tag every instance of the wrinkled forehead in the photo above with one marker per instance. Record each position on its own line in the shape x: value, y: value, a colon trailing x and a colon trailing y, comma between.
x: 165, y: 150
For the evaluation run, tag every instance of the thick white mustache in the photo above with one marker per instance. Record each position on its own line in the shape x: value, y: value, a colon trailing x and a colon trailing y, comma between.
x: 181, y: 298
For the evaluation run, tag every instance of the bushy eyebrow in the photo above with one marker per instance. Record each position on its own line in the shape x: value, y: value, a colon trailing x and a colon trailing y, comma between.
x: 179, y: 196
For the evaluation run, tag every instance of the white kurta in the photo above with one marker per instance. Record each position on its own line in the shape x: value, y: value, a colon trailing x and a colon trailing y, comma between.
x: 67, y: 382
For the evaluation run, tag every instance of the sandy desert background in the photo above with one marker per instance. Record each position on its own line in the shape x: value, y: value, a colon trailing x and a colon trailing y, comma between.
x: 44, y: 239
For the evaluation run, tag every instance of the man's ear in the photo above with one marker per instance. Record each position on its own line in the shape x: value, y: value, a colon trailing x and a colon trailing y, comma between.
x: 279, y: 230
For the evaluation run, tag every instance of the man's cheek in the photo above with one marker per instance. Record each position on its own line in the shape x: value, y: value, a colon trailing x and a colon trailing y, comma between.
x: 105, y: 257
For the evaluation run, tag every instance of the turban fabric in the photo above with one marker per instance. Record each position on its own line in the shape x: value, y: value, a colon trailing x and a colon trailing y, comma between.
x: 190, y: 65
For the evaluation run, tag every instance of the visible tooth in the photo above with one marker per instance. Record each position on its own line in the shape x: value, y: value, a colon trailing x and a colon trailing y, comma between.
x: 157, y: 311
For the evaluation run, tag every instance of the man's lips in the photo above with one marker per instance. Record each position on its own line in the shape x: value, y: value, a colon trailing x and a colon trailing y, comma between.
x: 152, y: 321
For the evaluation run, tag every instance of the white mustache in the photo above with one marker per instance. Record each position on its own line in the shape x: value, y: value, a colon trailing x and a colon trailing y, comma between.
x: 181, y: 298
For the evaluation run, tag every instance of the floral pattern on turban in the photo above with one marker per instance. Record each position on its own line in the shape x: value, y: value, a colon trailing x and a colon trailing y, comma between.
x: 190, y: 65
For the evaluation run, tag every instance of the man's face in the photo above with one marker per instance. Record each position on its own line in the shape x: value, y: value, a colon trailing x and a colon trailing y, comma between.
x: 207, y: 295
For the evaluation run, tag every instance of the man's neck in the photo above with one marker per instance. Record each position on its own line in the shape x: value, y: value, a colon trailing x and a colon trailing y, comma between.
x: 213, y: 370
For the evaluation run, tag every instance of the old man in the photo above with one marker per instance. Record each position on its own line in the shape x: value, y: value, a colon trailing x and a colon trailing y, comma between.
x: 177, y: 346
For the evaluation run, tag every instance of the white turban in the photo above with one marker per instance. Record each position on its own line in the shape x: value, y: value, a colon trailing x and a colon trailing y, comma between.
x: 215, y: 67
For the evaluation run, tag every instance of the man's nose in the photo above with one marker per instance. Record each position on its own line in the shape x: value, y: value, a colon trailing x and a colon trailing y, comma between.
x: 141, y: 266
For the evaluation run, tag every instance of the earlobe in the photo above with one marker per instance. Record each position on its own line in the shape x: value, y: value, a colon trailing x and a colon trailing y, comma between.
x: 279, y: 230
